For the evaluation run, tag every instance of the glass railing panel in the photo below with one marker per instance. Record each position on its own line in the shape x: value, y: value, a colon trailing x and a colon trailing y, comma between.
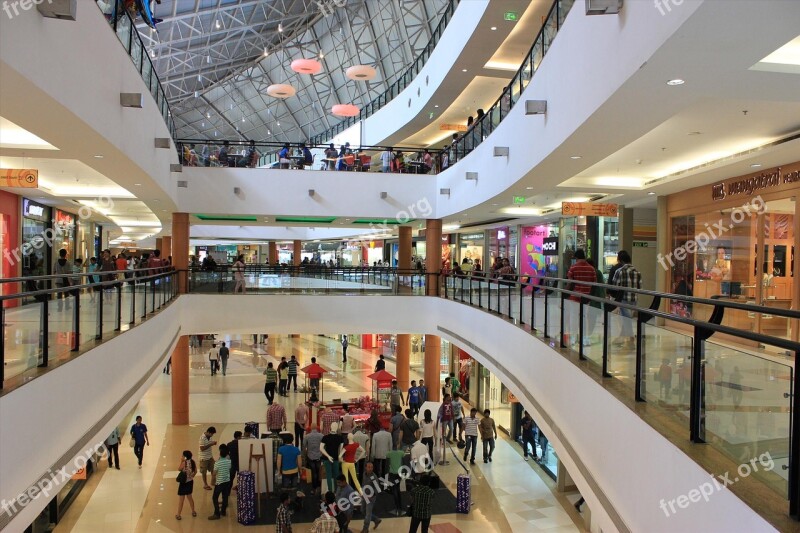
x: 563, y: 10
x: 136, y: 52
x: 147, y: 73
x: 622, y: 346
x: 553, y: 315
x: 666, y: 364
x: 537, y: 53
x: 538, y: 311
x: 593, y: 332
x: 748, y: 411
x: 140, y: 296
x: 24, y: 336
x: 124, y: 33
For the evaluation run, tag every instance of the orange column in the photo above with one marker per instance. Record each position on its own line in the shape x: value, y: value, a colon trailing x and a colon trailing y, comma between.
x: 160, y: 244
x: 180, y: 247
x: 404, y: 339
x: 433, y: 348
x: 433, y: 257
x: 166, y: 242
x: 297, y: 252
x: 180, y: 382
x: 273, y: 253
x: 404, y: 251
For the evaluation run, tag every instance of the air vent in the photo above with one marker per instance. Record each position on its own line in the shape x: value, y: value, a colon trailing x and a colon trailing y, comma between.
x: 184, y: 184
x: 597, y: 197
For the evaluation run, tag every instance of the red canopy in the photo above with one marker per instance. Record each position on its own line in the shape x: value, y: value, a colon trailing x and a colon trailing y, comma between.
x: 382, y: 375
x: 313, y: 368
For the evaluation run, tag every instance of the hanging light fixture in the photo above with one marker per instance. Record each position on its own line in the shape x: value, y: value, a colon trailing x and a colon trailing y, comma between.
x: 345, y: 110
x: 306, y: 66
x: 361, y: 72
x: 281, y: 90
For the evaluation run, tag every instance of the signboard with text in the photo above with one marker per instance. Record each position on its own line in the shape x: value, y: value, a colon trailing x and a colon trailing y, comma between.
x: 453, y: 127
x: 578, y: 209
x: 19, y: 177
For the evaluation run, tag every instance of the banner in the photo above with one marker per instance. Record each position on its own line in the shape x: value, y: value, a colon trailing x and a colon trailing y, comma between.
x: 452, y: 127
x: 578, y: 209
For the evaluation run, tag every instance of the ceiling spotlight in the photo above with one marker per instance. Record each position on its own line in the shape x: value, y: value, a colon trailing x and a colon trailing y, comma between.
x: 321, y: 55
x: 528, y: 188
x: 494, y: 28
x: 463, y: 70
x: 754, y: 165
x: 138, y: 184
x: 208, y: 59
x: 208, y: 115
x: 266, y: 52
x: 280, y: 28
x: 436, y: 106
x: 676, y: 81
x: 98, y: 156
x: 575, y: 157
x: 217, y: 24
x: 651, y: 193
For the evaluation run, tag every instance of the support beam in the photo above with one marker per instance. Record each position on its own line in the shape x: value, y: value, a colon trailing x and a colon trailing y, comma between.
x: 180, y: 382
x: 180, y: 247
x: 433, y: 379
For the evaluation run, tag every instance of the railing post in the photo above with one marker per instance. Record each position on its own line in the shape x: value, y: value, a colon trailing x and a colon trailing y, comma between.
x: 3, y: 342
x: 794, y: 439
x: 45, y: 336
x: 77, y: 318
x: 509, y: 302
x: 118, y: 321
x: 563, y: 302
x: 696, y: 422
x: 521, y: 314
x: 533, y: 308
x: 580, y: 333
x: 133, y: 301
x: 99, y: 333
x: 606, y: 374
x: 640, y: 386
x: 144, y: 301
x: 546, y: 315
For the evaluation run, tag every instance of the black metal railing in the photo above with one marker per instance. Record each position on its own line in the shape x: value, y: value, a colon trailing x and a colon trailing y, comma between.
x: 701, y: 371
x: 128, y: 35
x: 46, y: 319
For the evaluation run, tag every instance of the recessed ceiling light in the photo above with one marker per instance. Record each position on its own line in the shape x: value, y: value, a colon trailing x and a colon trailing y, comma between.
x: 494, y: 28
x: 574, y: 157
x: 138, y: 184
x: 463, y: 70
x: 98, y: 156
x: 651, y: 193
x: 755, y: 165
x: 437, y: 105
x: 495, y: 204
x: 676, y: 81
x: 528, y: 188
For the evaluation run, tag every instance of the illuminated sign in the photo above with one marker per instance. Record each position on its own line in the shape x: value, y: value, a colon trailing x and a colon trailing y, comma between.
x: 510, y: 15
x: 579, y: 209
x: 550, y: 246
x: 519, y: 199
x: 452, y: 127
x: 32, y: 209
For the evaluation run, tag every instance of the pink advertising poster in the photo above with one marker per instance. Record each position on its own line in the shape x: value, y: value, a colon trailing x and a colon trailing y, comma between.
x: 532, y: 259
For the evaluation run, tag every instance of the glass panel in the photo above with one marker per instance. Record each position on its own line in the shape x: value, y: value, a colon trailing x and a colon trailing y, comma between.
x: 124, y: 32
x: 563, y: 11
x: 146, y: 72
x: 667, y: 360
x: 136, y: 52
x: 23, y: 335
x: 622, y: 347
x: 515, y: 90
x: 593, y: 332
x: 747, y: 401
x: 536, y: 55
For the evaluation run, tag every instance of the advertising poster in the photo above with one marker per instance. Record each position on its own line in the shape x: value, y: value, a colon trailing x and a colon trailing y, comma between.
x: 532, y: 260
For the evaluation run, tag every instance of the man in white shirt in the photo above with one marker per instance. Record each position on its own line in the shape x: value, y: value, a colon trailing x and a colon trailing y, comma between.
x: 421, y: 461
x: 213, y: 358
x: 381, y: 445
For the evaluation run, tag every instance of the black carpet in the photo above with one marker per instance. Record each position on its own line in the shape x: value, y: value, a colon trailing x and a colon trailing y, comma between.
x: 443, y: 503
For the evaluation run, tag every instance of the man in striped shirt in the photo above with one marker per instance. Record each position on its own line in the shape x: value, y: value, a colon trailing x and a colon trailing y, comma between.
x: 471, y: 433
x: 221, y: 478
x: 272, y: 381
x: 293, y: 366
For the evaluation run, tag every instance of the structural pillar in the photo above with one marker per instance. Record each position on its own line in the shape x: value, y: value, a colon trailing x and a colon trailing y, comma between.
x: 433, y: 256
x: 298, y: 249
x: 433, y: 378
x: 180, y: 248
x: 160, y: 244
x: 404, y: 251
x: 404, y: 339
x: 166, y: 242
x: 180, y: 382
x: 273, y: 253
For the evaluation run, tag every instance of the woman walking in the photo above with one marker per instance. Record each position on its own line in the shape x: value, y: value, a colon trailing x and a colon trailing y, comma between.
x: 238, y: 275
x: 186, y: 487
x: 283, y: 378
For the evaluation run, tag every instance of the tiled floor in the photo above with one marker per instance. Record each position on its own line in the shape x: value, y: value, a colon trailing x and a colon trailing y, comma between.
x: 509, y: 495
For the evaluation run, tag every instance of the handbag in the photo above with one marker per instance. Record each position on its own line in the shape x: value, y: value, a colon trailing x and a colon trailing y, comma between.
x: 132, y: 442
x: 181, y: 477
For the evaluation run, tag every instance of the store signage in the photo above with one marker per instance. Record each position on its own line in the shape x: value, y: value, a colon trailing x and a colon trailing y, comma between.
x: 472, y: 237
x: 452, y: 127
x: 550, y: 246
x: 641, y: 244
x: 32, y: 209
x: 501, y: 234
x: 20, y: 177
x: 579, y: 209
x: 445, y: 239
x: 755, y: 182
x: 64, y: 219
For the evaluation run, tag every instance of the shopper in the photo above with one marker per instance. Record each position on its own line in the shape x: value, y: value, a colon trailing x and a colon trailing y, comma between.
x: 528, y: 437
x: 186, y: 486
x: 409, y: 430
x: 380, y: 364
x: 387, y: 156
x: 283, y: 376
x: 447, y: 388
x: 294, y: 365
x: 139, y: 435
x: 458, y: 416
x: 327, y: 420
x: 445, y: 418
x: 276, y: 418
x: 344, y: 493
x: 61, y: 269
x: 289, y: 463
x: 427, y: 428
x: 488, y: 431
x: 370, y: 479
x: 414, y: 398
x: 311, y: 443
x: 213, y: 358
x: 423, y: 392
x: 396, y: 421
x: 626, y: 276
x: 344, y: 349
x: 300, y: 421
x: 283, y: 518
x: 271, y: 383
x: 396, y: 394
x: 422, y: 496
x: 112, y: 447
x: 580, y: 272
x: 224, y: 353
x: 221, y: 477
x: 206, y: 455
x: 471, y: 431
x: 238, y: 276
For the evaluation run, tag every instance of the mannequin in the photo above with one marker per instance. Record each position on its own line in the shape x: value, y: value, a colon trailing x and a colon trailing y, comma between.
x: 349, y: 455
x: 330, y: 450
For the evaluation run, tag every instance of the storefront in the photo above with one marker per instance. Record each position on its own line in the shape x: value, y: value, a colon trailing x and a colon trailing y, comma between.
x: 374, y: 252
x: 64, y: 235
x: 36, y: 254
x: 9, y: 239
x: 499, y: 244
x: 538, y: 251
x: 736, y: 240
x: 596, y: 232
x: 471, y: 247
x: 351, y: 253
x: 250, y: 253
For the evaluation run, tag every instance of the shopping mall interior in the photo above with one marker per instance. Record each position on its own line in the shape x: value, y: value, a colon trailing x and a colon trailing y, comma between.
x: 577, y: 218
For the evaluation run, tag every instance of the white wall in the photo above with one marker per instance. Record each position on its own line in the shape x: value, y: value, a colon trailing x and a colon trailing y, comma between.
x: 613, y: 456
x: 277, y: 191
x: 46, y: 417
